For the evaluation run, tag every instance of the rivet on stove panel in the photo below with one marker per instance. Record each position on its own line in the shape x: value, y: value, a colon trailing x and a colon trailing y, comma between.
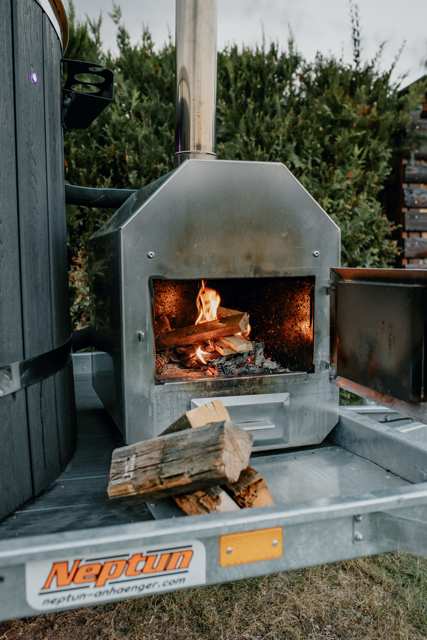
x: 150, y: 254
x: 141, y: 336
x: 33, y: 78
x: 316, y: 254
x: 229, y: 550
x: 275, y: 543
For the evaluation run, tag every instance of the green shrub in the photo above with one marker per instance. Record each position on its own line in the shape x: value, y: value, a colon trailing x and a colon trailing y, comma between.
x: 336, y: 126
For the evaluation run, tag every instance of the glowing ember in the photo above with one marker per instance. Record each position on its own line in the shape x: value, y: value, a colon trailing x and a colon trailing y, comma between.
x: 199, y: 354
x: 207, y: 302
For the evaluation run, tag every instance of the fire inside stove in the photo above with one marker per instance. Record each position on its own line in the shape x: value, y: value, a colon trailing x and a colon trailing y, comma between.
x: 235, y: 327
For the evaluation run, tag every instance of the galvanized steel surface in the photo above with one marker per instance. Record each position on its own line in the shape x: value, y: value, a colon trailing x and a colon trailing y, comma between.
x: 208, y: 219
x: 353, y: 514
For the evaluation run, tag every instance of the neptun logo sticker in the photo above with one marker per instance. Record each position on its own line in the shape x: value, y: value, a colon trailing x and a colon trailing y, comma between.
x: 141, y: 571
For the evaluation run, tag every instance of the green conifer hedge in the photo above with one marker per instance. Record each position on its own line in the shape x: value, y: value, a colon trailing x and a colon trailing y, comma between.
x: 336, y: 126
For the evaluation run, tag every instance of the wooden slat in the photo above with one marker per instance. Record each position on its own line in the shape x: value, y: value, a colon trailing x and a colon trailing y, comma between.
x: 11, y: 346
x: 415, y: 173
x: 79, y: 499
x: 34, y: 234
x: 61, y: 328
x: 415, y: 220
x: 15, y: 464
x: 415, y: 247
x: 415, y: 197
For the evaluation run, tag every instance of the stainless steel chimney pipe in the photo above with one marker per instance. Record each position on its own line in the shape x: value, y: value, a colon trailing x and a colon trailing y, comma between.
x: 196, y: 79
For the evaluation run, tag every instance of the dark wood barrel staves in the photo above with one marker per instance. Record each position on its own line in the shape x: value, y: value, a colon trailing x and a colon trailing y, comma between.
x: 37, y: 424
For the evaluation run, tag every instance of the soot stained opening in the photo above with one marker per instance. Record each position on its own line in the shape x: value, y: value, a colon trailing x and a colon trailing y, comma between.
x: 281, y: 317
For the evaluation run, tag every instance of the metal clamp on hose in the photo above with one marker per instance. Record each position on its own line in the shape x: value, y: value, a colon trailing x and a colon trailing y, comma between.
x: 20, y: 375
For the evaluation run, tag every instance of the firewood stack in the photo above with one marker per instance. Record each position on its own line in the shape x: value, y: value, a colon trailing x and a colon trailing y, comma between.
x: 200, y: 460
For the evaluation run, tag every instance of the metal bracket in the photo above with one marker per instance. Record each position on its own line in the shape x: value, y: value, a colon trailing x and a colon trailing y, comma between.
x: 19, y: 375
x: 81, y: 108
x: 404, y: 529
x: 360, y: 528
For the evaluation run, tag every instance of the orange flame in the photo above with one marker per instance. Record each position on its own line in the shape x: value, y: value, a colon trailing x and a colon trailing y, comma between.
x: 245, y: 333
x: 199, y: 354
x: 207, y: 303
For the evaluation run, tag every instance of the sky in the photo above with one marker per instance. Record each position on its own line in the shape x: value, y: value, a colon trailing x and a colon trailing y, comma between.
x: 317, y: 25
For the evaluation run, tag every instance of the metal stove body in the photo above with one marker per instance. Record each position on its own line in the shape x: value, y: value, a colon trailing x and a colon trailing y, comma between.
x: 211, y: 219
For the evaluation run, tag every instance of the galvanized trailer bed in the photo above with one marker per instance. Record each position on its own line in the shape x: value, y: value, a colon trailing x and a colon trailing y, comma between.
x: 359, y: 493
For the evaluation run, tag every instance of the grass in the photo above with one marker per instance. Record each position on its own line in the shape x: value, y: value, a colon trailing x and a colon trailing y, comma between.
x: 380, y: 597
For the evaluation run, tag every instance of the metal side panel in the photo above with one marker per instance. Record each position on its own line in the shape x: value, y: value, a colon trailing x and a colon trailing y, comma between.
x: 380, y: 443
x: 378, y: 321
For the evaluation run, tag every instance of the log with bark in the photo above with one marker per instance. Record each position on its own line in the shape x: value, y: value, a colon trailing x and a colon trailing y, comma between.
x: 203, y: 332
x: 180, y: 462
x: 250, y: 490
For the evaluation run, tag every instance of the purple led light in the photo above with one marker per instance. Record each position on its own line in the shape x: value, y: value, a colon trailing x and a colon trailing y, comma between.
x: 33, y: 78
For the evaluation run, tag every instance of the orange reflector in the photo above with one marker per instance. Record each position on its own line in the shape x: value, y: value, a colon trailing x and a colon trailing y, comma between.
x: 252, y: 546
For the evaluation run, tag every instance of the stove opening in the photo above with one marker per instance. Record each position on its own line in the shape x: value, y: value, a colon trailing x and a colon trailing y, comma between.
x: 234, y: 327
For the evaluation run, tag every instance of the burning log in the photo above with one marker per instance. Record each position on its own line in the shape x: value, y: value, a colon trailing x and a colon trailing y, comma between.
x: 199, y: 417
x: 223, y: 350
x: 222, y: 312
x: 212, y: 500
x: 250, y: 490
x: 185, y: 461
x: 236, y: 343
x: 203, y: 332
x: 188, y: 352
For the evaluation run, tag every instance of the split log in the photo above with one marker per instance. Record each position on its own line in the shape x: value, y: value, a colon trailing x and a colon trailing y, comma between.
x: 212, y: 500
x: 223, y: 350
x: 180, y: 462
x: 203, y: 331
x: 199, y: 417
x: 236, y: 343
x: 416, y: 220
x: 250, y: 490
x: 189, y: 351
x: 222, y: 312
x: 415, y: 173
x: 415, y: 247
x: 415, y: 197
